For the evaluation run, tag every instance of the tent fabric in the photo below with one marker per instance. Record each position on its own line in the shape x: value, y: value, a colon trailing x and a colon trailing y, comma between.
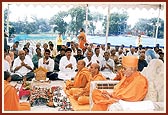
x: 120, y: 5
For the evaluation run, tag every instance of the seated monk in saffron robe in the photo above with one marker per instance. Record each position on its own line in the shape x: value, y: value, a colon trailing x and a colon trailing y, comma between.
x: 83, y: 96
x: 132, y: 87
x: 11, y: 99
x: 80, y: 80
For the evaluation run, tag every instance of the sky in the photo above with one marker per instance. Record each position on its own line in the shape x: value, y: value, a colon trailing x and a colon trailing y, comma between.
x: 18, y: 12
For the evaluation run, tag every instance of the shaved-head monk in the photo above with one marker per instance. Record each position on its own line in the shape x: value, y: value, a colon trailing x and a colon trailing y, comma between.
x: 83, y: 96
x: 132, y: 87
x: 11, y: 99
x: 80, y: 80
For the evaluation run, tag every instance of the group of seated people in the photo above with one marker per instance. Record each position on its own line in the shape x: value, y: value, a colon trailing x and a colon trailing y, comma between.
x: 79, y: 88
x: 79, y: 72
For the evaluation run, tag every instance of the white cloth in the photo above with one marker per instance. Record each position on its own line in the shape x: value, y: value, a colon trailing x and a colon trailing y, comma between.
x: 6, y: 66
x: 102, y: 51
x: 23, y: 70
x: 87, y: 61
x: 110, y: 62
x: 49, y: 67
x: 67, y: 73
x: 137, y: 106
x: 130, y: 54
x: 119, y: 55
x: 108, y: 74
x: 31, y: 51
x: 53, y: 52
x: 99, y: 58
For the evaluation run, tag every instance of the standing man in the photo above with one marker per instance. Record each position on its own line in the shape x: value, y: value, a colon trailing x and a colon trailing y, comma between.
x: 139, y: 40
x: 82, y: 38
x: 59, y: 41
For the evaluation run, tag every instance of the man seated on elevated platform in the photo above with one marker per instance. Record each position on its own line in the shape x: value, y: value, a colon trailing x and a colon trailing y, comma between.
x: 132, y: 87
x: 11, y: 99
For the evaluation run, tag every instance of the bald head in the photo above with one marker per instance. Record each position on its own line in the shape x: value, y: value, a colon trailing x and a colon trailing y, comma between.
x: 81, y: 64
x: 94, y: 68
x: 21, y: 54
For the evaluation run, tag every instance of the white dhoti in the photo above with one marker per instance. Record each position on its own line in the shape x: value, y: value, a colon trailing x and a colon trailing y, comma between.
x: 66, y: 75
x: 108, y: 74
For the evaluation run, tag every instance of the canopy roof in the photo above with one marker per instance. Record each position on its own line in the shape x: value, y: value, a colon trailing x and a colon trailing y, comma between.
x: 119, y: 5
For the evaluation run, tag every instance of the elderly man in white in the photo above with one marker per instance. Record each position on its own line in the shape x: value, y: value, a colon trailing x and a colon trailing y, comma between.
x: 22, y: 67
x: 67, y: 66
x: 88, y: 59
x: 108, y: 66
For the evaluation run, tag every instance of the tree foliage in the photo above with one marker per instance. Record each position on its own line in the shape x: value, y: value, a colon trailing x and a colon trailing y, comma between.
x: 58, y: 22
x: 148, y: 27
x: 78, y: 16
x: 118, y: 23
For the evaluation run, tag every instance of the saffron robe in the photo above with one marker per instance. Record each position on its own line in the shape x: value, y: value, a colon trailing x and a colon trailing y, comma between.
x: 132, y: 88
x: 82, y: 40
x: 84, y: 98
x: 80, y: 81
x: 11, y: 99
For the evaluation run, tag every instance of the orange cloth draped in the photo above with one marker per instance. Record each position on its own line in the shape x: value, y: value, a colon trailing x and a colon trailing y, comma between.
x: 82, y: 40
x: 11, y: 99
x: 80, y: 81
x: 119, y: 75
x: 98, y: 77
x: 84, y: 98
x: 133, y: 88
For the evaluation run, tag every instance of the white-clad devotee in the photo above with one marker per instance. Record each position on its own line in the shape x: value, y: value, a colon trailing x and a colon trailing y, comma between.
x: 88, y: 59
x: 46, y: 61
x: 67, y: 66
x: 132, y: 52
x: 6, y: 66
x: 30, y: 48
x: 102, y: 49
x: 107, y: 66
x: 45, y: 46
x: 120, y: 54
x: 74, y: 50
x: 97, y: 56
x: 6, y: 63
x: 22, y: 66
